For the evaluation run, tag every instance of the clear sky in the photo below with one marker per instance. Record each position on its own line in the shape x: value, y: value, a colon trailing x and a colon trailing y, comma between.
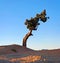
x: 13, y: 14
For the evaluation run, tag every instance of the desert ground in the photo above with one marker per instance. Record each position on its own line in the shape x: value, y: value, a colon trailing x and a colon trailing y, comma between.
x: 18, y: 54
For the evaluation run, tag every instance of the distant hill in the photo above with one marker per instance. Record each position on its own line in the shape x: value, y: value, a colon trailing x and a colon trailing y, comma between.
x: 18, y: 54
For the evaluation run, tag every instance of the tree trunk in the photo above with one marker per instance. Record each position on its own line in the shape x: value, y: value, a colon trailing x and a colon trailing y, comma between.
x: 26, y: 37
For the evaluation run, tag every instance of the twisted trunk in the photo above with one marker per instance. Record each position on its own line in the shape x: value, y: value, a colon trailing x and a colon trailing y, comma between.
x: 26, y: 37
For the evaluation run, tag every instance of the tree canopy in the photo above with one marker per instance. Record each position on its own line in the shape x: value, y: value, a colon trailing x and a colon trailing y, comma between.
x: 33, y: 23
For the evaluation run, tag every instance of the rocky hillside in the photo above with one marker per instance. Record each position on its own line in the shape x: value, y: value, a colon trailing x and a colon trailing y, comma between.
x: 19, y: 54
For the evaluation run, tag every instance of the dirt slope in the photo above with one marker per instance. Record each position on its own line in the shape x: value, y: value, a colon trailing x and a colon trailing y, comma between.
x: 19, y: 54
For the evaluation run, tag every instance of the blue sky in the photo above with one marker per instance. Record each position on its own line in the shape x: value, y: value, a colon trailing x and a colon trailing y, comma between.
x: 13, y: 14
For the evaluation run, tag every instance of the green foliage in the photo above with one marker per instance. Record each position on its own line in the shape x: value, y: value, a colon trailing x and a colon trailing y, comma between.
x: 33, y: 23
x: 14, y: 50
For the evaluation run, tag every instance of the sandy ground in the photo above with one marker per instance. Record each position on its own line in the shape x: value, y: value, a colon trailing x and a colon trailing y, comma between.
x: 19, y: 54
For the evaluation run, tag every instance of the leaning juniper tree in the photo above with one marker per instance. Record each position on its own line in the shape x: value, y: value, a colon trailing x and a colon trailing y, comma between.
x: 33, y: 23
